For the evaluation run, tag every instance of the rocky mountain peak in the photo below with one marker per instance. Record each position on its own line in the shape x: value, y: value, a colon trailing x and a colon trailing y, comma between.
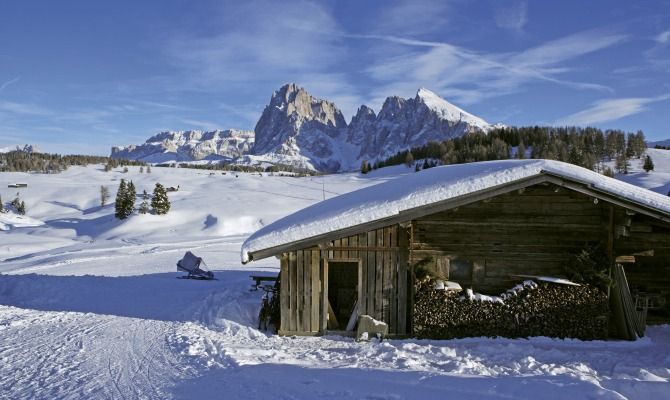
x: 295, y: 124
x: 364, y: 113
x: 298, y: 129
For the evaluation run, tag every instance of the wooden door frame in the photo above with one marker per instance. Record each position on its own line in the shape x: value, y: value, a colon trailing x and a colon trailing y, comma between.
x: 324, y: 289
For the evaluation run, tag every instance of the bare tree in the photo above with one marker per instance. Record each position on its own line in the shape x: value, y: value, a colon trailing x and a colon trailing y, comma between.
x: 104, y: 195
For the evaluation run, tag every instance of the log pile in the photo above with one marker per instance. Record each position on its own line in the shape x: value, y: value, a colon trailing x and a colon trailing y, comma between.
x: 529, y: 309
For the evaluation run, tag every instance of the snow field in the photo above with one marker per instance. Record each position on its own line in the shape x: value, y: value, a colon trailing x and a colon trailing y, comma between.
x: 90, y: 308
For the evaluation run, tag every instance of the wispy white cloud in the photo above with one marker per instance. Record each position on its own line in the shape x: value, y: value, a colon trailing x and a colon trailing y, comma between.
x: 24, y: 108
x: 264, y: 44
x: 249, y: 112
x: 511, y: 15
x: 9, y: 82
x: 658, y: 56
x: 412, y: 17
x: 610, y: 110
x: 259, y: 41
x: 471, y: 76
x: 663, y: 37
x: 203, y: 125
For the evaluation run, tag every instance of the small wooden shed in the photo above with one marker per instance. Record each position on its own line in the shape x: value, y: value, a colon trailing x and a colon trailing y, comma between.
x: 477, y: 224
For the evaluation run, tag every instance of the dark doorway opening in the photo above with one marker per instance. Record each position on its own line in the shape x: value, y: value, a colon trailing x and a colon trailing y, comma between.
x: 342, y: 292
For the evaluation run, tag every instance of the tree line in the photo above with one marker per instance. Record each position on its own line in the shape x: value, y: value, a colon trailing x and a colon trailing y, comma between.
x: 586, y: 147
x: 21, y: 161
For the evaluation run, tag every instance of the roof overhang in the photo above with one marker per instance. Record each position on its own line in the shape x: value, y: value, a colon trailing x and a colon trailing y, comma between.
x: 459, y: 201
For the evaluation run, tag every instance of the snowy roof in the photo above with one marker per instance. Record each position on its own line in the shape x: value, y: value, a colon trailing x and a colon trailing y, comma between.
x: 440, y: 184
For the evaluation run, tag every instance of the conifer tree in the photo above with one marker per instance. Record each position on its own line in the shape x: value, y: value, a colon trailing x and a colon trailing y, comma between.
x: 160, y: 204
x: 648, y: 164
x: 144, y: 206
x: 364, y: 167
x: 121, y: 197
x: 131, y: 195
x: 2, y: 206
x: 141, y: 169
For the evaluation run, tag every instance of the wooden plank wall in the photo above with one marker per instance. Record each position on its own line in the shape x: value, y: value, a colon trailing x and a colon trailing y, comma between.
x: 300, y: 294
x: 650, y: 275
x: 532, y: 232
x: 383, y: 279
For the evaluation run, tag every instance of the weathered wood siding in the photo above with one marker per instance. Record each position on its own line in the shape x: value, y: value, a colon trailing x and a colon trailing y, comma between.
x: 300, y: 292
x: 531, y: 232
x: 382, y: 280
x: 649, y: 275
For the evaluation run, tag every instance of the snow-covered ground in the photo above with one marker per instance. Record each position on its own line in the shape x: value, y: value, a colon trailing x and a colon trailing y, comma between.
x: 90, y: 307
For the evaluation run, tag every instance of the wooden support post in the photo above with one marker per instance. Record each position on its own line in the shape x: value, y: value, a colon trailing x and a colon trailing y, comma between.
x: 316, y: 289
x: 324, y: 294
x: 403, y: 259
x: 284, y: 293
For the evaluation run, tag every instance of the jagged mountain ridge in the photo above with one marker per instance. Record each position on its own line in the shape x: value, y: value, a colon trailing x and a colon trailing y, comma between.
x: 189, y: 146
x: 298, y: 129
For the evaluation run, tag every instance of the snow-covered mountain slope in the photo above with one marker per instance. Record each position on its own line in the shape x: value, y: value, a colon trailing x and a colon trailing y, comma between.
x: 405, y: 123
x: 26, y: 148
x: 297, y: 125
x: 301, y: 130
x: 90, y: 307
x: 189, y: 146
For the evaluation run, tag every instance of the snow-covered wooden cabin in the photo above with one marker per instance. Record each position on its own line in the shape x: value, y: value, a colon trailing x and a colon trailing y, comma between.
x: 479, y: 224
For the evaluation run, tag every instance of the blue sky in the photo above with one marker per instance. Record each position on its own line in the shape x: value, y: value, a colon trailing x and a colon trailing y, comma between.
x: 81, y: 76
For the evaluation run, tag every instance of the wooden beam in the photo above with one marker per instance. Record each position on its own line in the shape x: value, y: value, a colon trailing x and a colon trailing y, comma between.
x: 592, y: 191
x: 625, y: 259
x: 359, y: 248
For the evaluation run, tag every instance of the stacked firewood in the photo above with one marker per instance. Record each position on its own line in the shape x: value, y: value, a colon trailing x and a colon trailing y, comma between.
x: 530, y: 309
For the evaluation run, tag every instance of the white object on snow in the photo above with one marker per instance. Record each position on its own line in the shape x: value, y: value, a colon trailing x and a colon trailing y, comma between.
x: 551, y: 279
x: 447, y: 285
x: 482, y: 297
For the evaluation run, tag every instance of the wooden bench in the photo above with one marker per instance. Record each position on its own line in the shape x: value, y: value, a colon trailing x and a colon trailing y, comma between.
x: 258, y: 279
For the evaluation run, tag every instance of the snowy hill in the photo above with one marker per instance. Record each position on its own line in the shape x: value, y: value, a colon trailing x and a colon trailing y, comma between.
x: 665, y: 143
x: 298, y: 129
x: 90, y: 307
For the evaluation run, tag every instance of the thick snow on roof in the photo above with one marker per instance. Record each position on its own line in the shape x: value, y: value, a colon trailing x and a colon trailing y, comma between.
x: 426, y: 187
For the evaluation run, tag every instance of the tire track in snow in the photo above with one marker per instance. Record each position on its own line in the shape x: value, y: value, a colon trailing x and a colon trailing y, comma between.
x: 77, y: 355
